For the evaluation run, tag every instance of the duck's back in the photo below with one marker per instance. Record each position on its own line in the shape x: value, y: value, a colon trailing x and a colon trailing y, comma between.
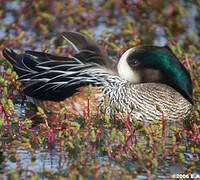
x: 134, y: 86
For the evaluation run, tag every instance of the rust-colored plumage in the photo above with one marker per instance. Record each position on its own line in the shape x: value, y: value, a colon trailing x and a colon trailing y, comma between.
x: 145, y: 77
x: 77, y: 104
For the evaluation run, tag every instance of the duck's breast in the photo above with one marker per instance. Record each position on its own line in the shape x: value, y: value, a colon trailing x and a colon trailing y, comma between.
x: 144, y: 100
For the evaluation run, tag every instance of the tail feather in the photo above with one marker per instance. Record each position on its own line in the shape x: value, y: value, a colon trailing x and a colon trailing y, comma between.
x: 10, y: 55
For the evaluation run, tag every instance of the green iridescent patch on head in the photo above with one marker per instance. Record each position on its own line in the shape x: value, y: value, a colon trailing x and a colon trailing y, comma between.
x: 167, y: 63
x: 174, y: 73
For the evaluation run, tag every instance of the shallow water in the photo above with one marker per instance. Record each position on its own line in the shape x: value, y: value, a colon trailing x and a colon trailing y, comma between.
x: 50, y: 157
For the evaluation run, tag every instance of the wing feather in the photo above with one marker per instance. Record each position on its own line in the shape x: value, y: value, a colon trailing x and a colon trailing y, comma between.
x: 50, y: 77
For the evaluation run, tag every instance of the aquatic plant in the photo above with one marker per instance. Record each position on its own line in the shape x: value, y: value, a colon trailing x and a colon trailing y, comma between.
x: 96, y: 147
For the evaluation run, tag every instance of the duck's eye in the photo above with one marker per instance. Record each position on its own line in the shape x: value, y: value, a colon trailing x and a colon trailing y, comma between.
x: 133, y: 61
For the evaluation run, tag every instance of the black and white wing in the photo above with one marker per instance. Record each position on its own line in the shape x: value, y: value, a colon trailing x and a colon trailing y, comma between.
x: 50, y: 77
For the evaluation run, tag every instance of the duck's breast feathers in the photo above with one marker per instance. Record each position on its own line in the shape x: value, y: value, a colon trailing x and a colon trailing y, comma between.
x: 164, y: 60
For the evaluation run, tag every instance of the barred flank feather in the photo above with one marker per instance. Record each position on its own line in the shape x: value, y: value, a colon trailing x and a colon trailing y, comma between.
x: 147, y: 76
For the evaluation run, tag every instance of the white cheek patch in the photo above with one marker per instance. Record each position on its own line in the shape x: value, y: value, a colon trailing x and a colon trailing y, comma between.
x: 125, y: 70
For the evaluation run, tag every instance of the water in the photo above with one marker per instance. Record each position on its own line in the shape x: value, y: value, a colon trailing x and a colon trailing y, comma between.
x: 50, y: 158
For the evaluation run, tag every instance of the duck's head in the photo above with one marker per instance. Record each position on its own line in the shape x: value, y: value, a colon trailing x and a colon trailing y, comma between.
x: 146, y: 64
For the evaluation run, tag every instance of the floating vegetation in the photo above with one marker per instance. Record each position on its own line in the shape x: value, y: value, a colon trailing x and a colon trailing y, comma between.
x: 96, y: 147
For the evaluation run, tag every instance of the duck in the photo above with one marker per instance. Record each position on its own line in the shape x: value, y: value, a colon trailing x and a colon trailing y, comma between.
x: 149, y: 82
